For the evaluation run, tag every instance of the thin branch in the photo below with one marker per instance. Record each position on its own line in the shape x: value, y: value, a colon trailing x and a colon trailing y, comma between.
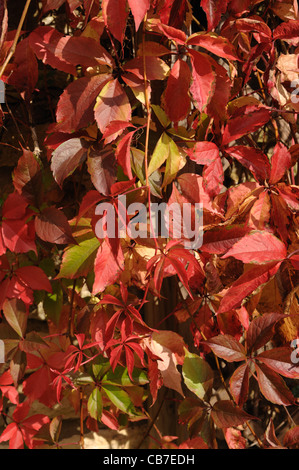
x: 16, y: 38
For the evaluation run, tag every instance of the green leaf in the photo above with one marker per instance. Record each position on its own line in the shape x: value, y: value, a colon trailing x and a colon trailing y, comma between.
x: 95, y: 404
x: 119, y: 398
x: 198, y: 375
x: 121, y: 377
x: 53, y: 302
x: 160, y: 154
x: 15, y: 313
x: 175, y: 161
x: 161, y: 115
x: 78, y: 260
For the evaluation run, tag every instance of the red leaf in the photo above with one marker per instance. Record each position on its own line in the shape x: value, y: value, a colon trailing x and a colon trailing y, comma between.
x: 52, y: 226
x: 291, y: 438
x: 155, y: 68
x: 123, y: 153
x: 18, y: 236
x: 260, y: 330
x: 27, y: 177
x: 101, y: 165
x: 75, y: 107
x: 24, y: 72
x: 34, y: 277
x: 112, y: 105
x: 213, y: 177
x: 204, y: 79
x: 215, y: 44
x: 280, y: 162
x: 178, y: 86
x: 258, y: 247
x: 107, y: 267
x: 66, y: 52
x: 139, y: 10
x: 219, y: 240
x: 280, y: 360
x: 273, y: 386
x: 227, y: 347
x: 234, y: 438
x: 225, y: 414
x: 287, y: 31
x: 246, y: 284
x: 203, y: 153
x: 115, y: 13
x: 67, y: 157
x: 253, y: 159
x: 213, y: 9
x: 251, y: 119
x: 173, y: 33
x: 239, y: 384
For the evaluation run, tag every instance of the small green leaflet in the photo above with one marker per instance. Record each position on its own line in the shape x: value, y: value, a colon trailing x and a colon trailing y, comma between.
x: 198, y: 375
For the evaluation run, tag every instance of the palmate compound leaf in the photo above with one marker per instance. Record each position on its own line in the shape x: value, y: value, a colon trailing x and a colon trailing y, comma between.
x: 198, y: 375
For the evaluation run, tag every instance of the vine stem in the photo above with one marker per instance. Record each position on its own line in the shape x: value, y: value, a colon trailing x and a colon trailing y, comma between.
x: 154, y: 419
x: 14, y: 44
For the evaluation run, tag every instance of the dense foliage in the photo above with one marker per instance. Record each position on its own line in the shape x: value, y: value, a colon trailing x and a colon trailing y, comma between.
x: 150, y: 101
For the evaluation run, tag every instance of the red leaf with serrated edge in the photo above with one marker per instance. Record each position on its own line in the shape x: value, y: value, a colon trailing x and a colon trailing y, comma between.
x: 139, y: 10
x: 260, y: 330
x: 18, y: 235
x: 66, y: 52
x: 273, y: 386
x: 114, y: 129
x: 51, y: 225
x: 291, y: 438
x: 178, y: 85
x: 239, y: 384
x: 260, y: 212
x: 51, y: 5
x: 227, y: 347
x: 258, y: 247
x: 252, y: 119
x: 101, y: 166
x: 213, y: 9
x: 155, y: 68
x: 226, y: 414
x: 253, y: 159
x: 107, y: 267
x: 213, y: 177
x: 246, y: 284
x: 219, y: 240
x: 123, y: 153
x: 280, y: 360
x: 75, y: 107
x: 203, y: 153
x: 27, y: 177
x: 34, y: 277
x: 88, y: 202
x: 280, y: 162
x: 216, y: 44
x: 24, y: 72
x: 287, y: 31
x: 115, y: 14
x: 234, y: 438
x: 14, y: 435
x: 203, y: 79
x: 109, y: 420
x: 67, y: 157
x: 112, y: 104
x: 194, y: 443
x: 173, y: 33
